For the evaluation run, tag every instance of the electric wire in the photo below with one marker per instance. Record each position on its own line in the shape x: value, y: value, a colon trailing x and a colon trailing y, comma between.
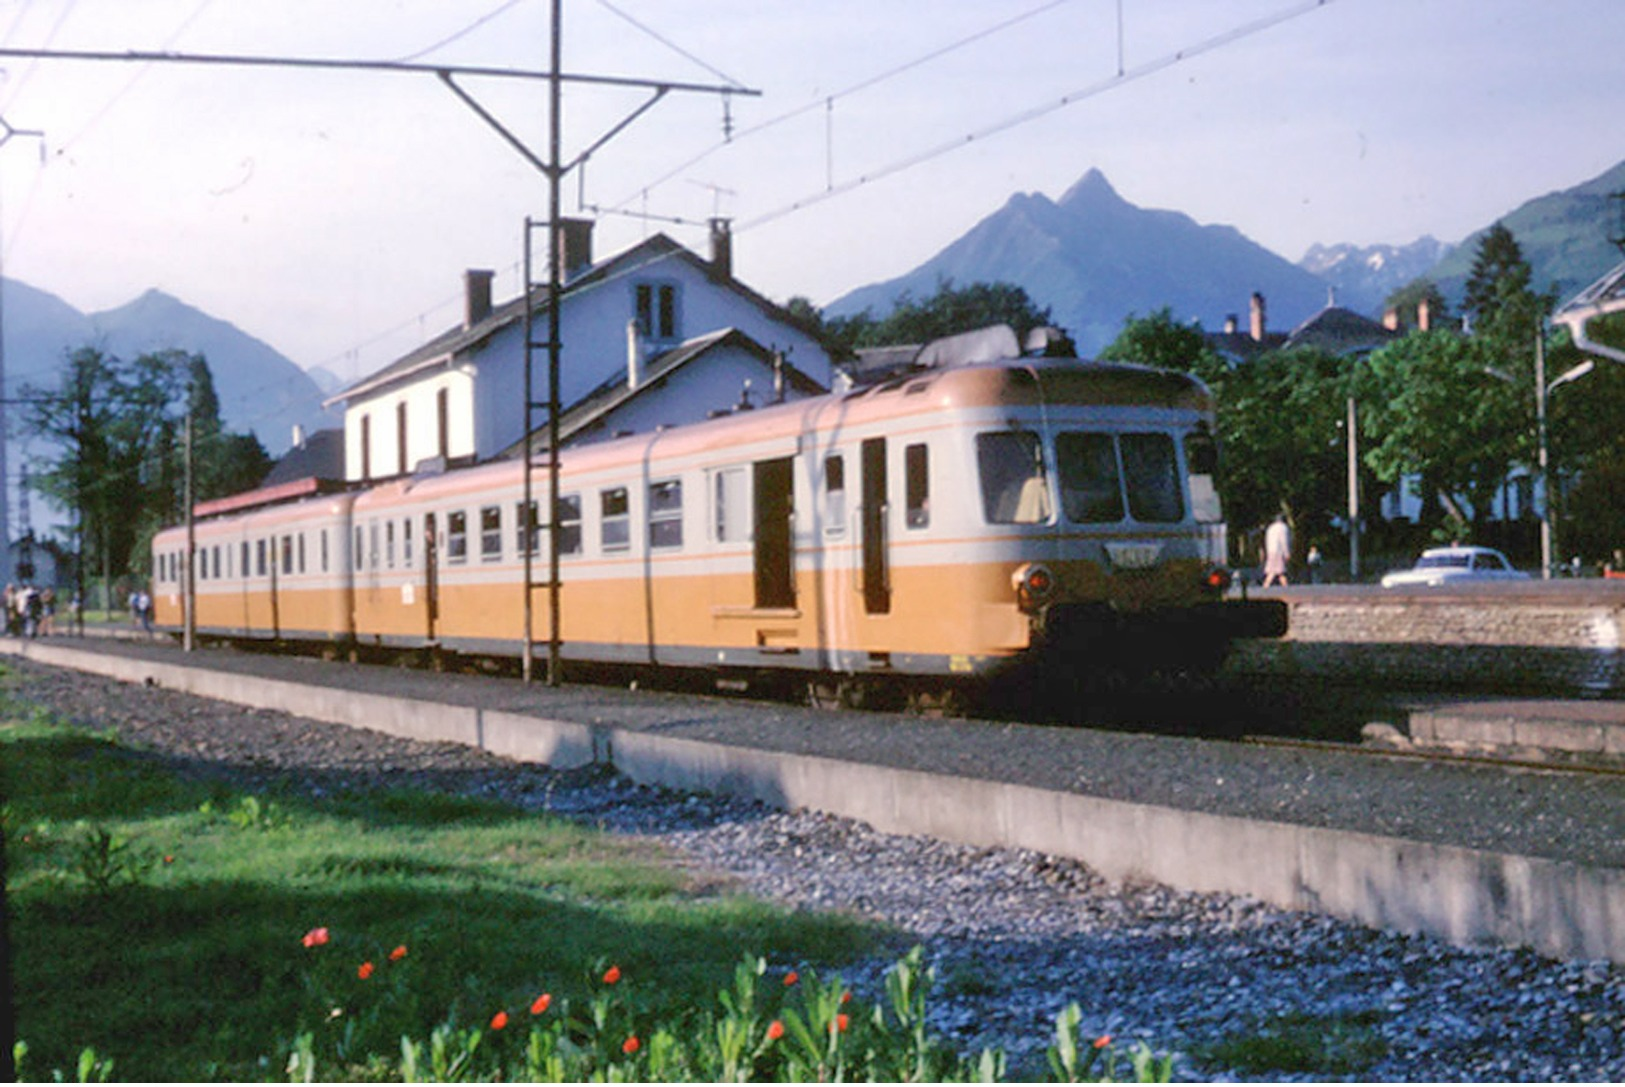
x: 668, y: 43
x: 1167, y: 60
x: 463, y: 33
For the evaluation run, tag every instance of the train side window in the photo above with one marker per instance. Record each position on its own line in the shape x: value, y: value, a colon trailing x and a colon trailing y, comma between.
x: 666, y: 513
x: 490, y: 533
x: 526, y: 532
x: 216, y: 549
x: 301, y: 546
x: 834, y: 496
x: 1091, y: 486
x: 917, y: 486
x: 1015, y: 489
x: 358, y: 550
x: 372, y: 548
x: 259, y: 558
x: 569, y: 524
x: 242, y: 569
x: 730, y: 513
x: 1202, y: 464
x: 1150, y: 469
x: 456, y: 536
x: 287, y: 554
x: 389, y: 544
x: 324, y: 550
x: 203, y: 564
x: 614, y: 519
x: 406, y: 543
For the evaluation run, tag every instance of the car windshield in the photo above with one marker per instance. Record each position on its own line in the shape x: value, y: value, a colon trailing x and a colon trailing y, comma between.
x: 1436, y: 562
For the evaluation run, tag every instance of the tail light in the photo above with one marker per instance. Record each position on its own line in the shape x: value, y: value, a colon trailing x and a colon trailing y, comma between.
x: 1217, y: 579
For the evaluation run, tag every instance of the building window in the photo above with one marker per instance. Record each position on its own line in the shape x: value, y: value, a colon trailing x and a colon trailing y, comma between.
x: 615, y: 519
x: 666, y: 513
x: 457, y: 536
x: 490, y: 533
x: 400, y: 437
x: 917, y: 486
x: 657, y: 314
x: 442, y: 418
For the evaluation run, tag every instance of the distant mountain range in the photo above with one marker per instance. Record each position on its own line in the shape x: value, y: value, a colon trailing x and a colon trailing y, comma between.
x: 260, y: 389
x: 1094, y: 259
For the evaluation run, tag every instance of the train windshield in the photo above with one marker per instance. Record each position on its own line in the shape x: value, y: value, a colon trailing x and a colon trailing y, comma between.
x: 1015, y: 490
x: 1103, y: 474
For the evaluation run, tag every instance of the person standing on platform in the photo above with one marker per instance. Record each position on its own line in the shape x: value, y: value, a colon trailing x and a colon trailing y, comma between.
x: 1277, y: 551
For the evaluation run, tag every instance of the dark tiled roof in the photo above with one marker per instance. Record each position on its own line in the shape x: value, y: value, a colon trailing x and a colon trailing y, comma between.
x: 1340, y: 331
x: 616, y: 393
x: 321, y: 457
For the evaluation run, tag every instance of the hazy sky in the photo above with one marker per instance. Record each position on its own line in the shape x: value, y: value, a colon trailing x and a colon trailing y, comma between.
x: 332, y: 213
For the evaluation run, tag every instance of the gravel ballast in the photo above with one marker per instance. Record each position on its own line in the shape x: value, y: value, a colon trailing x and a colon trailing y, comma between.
x: 1014, y: 935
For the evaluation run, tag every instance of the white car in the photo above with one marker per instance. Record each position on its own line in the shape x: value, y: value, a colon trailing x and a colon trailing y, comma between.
x: 1450, y: 565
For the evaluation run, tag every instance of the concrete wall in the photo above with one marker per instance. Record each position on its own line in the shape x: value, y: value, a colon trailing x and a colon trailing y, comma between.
x: 1506, y: 644
x: 1462, y: 895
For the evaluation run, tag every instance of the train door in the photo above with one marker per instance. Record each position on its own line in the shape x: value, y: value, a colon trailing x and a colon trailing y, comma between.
x: 772, y: 484
x: 431, y: 576
x: 876, y: 573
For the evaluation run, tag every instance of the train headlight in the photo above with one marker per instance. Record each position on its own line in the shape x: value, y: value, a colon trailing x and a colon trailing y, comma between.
x: 1034, y: 584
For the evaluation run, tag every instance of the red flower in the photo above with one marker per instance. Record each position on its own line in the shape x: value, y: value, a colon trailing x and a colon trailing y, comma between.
x: 775, y: 1031
x: 169, y: 858
x: 846, y: 997
x: 398, y: 954
x: 541, y: 1004
x: 612, y: 975
x: 631, y: 1045
x: 791, y: 978
x: 364, y: 971
x: 499, y: 1020
x: 842, y: 1022
x: 1103, y: 1041
x: 316, y: 937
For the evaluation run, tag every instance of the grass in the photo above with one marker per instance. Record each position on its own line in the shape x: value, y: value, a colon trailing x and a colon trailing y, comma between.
x: 159, y: 919
x: 1301, y: 1043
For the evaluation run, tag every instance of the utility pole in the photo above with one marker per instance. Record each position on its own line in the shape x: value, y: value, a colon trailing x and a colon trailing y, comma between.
x: 7, y: 133
x: 188, y: 581
x: 1354, y: 491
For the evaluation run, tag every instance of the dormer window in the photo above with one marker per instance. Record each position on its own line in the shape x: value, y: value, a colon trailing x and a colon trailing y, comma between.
x: 657, y: 314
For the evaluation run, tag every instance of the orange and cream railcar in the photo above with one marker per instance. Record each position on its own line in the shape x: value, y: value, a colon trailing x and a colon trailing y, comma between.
x: 280, y: 571
x: 961, y: 521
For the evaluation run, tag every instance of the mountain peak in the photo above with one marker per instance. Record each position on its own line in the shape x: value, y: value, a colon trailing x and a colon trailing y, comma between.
x: 1091, y: 191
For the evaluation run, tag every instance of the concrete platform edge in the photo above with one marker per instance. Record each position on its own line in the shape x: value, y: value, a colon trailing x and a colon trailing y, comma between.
x: 1469, y: 897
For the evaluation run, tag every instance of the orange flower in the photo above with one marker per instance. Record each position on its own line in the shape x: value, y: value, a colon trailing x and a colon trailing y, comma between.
x: 364, y: 971
x: 499, y: 1020
x: 791, y: 978
x: 398, y: 954
x: 612, y: 975
x: 775, y: 1031
x: 631, y: 1045
x: 316, y: 937
x: 842, y: 1022
x: 1103, y: 1041
x: 541, y: 1004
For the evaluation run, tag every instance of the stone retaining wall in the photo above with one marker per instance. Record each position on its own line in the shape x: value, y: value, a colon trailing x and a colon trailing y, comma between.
x: 1568, y: 646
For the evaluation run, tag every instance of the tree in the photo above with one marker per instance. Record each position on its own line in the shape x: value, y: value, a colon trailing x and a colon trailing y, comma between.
x: 1159, y: 340
x: 117, y: 426
x: 948, y: 312
x: 1435, y: 412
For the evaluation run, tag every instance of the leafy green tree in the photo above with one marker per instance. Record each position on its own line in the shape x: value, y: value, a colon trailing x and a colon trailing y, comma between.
x: 948, y: 312
x: 118, y: 428
x: 1432, y: 410
x: 1159, y: 340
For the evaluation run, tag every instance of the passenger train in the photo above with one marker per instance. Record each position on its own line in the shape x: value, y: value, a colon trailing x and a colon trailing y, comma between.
x: 1020, y: 517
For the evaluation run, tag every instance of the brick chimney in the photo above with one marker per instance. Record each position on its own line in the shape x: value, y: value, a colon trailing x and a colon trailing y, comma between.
x: 1230, y: 324
x: 575, y: 246
x: 1256, y: 316
x: 1390, y: 319
x: 476, y: 296
x: 1424, y: 315
x: 722, y: 250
